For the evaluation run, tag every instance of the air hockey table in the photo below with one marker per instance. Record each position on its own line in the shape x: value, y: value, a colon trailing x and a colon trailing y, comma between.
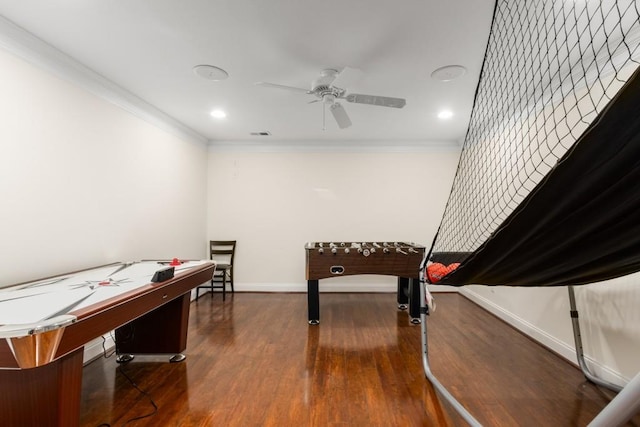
x: 45, y: 324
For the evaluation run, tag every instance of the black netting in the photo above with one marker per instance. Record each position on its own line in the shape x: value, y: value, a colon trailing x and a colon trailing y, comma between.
x: 549, y: 70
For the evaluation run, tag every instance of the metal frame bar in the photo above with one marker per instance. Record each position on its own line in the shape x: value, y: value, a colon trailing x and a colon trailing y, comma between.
x: 575, y: 322
x: 619, y: 411
x: 627, y: 403
x: 424, y: 312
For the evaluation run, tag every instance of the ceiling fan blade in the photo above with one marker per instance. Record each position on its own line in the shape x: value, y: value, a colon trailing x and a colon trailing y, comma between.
x: 277, y: 86
x: 340, y: 114
x: 347, y: 77
x: 383, y: 101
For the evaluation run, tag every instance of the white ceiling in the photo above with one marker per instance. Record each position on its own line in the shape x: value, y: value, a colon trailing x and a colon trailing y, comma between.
x: 149, y: 47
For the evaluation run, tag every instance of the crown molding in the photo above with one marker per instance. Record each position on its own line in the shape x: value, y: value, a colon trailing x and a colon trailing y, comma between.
x: 43, y: 55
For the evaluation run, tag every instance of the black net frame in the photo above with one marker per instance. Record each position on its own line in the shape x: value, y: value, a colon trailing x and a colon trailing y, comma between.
x: 552, y: 73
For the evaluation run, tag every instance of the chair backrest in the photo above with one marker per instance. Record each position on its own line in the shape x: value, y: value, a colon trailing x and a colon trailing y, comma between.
x: 222, y: 251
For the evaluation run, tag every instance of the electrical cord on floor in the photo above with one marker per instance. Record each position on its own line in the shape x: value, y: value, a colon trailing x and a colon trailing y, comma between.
x: 144, y: 393
x: 106, y: 355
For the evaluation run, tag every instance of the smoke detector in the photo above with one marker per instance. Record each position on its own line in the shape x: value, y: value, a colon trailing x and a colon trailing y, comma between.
x: 209, y: 72
x: 448, y: 73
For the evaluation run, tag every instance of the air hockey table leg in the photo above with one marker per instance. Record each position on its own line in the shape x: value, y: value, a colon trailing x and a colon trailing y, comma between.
x: 124, y: 358
x: 313, y: 302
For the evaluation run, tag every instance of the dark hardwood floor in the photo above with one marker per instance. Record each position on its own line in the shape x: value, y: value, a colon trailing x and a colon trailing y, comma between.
x: 254, y: 361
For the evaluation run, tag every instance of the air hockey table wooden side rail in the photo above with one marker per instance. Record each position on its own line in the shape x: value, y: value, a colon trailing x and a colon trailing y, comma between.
x: 336, y: 259
x: 41, y: 366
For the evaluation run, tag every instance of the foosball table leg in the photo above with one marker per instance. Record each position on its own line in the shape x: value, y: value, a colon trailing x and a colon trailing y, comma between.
x: 313, y: 302
x: 414, y: 300
x: 177, y: 358
x: 402, y: 297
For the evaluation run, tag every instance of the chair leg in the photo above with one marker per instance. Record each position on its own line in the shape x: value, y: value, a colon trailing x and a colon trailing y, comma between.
x: 197, y: 290
x: 224, y: 286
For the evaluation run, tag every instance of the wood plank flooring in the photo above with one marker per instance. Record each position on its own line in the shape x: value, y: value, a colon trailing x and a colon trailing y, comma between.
x: 254, y: 361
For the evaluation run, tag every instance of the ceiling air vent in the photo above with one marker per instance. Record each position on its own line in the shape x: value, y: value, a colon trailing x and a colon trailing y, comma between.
x: 260, y: 133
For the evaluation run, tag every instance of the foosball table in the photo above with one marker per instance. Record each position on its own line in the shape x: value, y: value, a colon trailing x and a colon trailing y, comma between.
x: 336, y: 259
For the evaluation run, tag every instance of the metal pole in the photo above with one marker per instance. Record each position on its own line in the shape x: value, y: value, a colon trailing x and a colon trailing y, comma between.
x: 424, y: 311
x: 579, y: 350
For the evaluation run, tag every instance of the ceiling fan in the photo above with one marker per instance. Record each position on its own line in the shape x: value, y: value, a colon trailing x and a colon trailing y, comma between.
x: 328, y: 88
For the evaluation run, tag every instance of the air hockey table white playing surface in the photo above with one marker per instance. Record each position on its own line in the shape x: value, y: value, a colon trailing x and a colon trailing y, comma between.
x: 36, y: 302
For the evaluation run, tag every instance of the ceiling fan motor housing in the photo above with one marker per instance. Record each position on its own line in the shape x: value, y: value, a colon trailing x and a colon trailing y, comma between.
x: 328, y: 94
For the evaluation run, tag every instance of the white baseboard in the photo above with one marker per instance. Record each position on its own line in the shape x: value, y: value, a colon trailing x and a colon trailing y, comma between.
x: 329, y: 286
x: 325, y: 286
x: 563, y: 349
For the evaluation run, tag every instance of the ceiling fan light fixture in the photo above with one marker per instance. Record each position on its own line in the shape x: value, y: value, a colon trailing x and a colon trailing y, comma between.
x: 328, y: 98
x: 209, y: 72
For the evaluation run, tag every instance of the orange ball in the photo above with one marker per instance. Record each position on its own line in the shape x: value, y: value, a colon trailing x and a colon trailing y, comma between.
x: 452, y: 267
x: 436, y: 271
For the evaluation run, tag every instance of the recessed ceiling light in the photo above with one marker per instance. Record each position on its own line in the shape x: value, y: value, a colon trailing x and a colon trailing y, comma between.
x: 445, y: 114
x: 448, y: 73
x: 218, y: 114
x: 209, y: 72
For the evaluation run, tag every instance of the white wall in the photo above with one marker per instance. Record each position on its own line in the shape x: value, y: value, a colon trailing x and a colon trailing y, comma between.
x: 83, y: 182
x: 275, y: 202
